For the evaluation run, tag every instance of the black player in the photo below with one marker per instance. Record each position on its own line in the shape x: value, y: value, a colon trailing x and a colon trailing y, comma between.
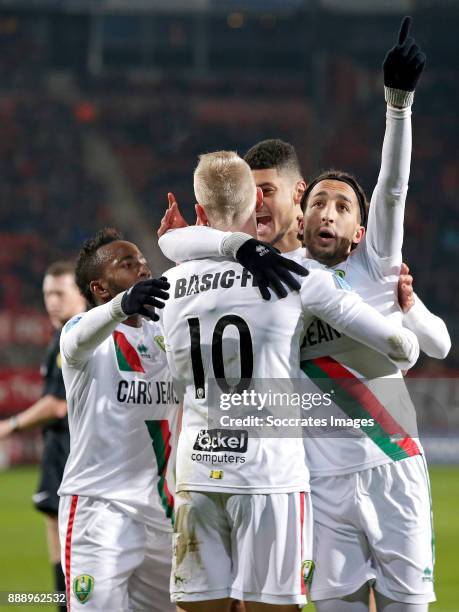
x: 62, y: 301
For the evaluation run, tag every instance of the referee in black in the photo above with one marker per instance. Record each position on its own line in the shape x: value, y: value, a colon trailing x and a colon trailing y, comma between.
x: 62, y: 301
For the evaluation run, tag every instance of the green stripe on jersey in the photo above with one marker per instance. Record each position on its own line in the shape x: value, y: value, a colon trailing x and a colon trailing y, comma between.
x: 357, y: 401
x: 160, y: 435
x: 126, y: 355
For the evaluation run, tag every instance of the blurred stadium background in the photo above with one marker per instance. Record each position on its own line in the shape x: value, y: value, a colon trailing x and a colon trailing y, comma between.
x: 104, y: 107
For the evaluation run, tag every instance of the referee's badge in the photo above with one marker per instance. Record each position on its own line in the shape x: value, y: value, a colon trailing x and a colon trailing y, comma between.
x: 83, y: 586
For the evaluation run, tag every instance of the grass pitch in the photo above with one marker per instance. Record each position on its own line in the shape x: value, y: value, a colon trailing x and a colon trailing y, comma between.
x: 24, y: 564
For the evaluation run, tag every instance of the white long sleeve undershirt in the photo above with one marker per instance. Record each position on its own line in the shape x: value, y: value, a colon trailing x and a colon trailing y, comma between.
x: 387, y: 208
x: 193, y: 242
x: 430, y: 330
x: 83, y: 337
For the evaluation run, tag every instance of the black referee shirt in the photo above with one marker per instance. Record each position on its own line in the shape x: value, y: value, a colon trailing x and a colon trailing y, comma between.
x: 51, y: 370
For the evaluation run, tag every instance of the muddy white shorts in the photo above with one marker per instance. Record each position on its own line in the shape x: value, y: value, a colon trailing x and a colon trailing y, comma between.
x: 374, y: 525
x: 111, y: 561
x: 249, y: 547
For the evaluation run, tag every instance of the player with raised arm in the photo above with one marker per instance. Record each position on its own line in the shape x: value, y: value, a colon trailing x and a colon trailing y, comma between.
x: 334, y: 233
x: 243, y: 515
x: 117, y: 505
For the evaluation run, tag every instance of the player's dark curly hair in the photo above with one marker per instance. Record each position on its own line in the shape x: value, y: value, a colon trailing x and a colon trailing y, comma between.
x: 88, y: 264
x: 346, y: 178
x: 273, y: 153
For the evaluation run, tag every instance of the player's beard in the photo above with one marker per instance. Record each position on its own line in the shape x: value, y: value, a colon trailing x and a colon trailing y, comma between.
x: 115, y: 288
x: 328, y: 256
x: 280, y: 235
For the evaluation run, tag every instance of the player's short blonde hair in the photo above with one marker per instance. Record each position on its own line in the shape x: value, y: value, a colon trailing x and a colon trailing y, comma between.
x: 225, y: 188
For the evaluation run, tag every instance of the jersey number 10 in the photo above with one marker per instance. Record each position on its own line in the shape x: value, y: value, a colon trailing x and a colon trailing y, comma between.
x: 245, y: 355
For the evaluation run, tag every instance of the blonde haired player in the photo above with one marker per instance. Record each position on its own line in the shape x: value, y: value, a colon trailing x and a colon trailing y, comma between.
x: 223, y: 187
x: 243, y: 523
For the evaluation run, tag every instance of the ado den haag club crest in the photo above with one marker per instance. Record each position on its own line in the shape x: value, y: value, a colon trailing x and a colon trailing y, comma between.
x: 83, y: 586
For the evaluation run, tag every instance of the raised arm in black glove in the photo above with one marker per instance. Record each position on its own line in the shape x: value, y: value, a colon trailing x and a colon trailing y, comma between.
x: 404, y: 63
x: 269, y: 268
x: 145, y: 293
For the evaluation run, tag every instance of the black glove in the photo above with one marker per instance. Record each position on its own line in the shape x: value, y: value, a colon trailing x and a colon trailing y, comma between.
x: 143, y: 294
x: 404, y: 63
x: 269, y: 268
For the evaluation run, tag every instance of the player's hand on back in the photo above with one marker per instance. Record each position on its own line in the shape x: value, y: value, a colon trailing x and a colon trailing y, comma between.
x: 405, y: 62
x: 405, y: 289
x: 269, y: 268
x: 173, y: 217
x: 144, y: 296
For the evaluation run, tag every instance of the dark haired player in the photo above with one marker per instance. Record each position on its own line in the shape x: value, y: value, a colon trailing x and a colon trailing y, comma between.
x: 62, y: 301
x: 117, y: 506
x: 276, y: 170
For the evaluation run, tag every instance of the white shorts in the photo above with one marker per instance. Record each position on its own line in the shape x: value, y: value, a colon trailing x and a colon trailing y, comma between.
x: 249, y: 547
x: 374, y: 525
x: 111, y: 561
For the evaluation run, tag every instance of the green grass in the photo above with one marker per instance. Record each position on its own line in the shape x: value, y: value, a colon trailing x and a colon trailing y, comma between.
x: 24, y: 564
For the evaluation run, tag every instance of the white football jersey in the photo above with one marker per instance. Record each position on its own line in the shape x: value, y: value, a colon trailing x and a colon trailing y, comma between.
x: 327, y: 354
x: 123, y: 417
x: 217, y: 326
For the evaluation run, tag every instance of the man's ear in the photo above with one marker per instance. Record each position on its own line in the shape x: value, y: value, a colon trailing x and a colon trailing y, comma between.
x: 300, y: 221
x: 259, y: 199
x: 201, y: 217
x: 359, y: 234
x: 300, y: 188
x: 98, y: 288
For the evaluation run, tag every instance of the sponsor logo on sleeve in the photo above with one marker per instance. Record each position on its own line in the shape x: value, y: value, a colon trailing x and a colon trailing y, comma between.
x: 72, y: 322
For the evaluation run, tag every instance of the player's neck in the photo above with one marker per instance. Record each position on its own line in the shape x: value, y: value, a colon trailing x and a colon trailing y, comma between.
x: 249, y: 227
x: 288, y: 242
x: 133, y: 321
x: 332, y: 261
